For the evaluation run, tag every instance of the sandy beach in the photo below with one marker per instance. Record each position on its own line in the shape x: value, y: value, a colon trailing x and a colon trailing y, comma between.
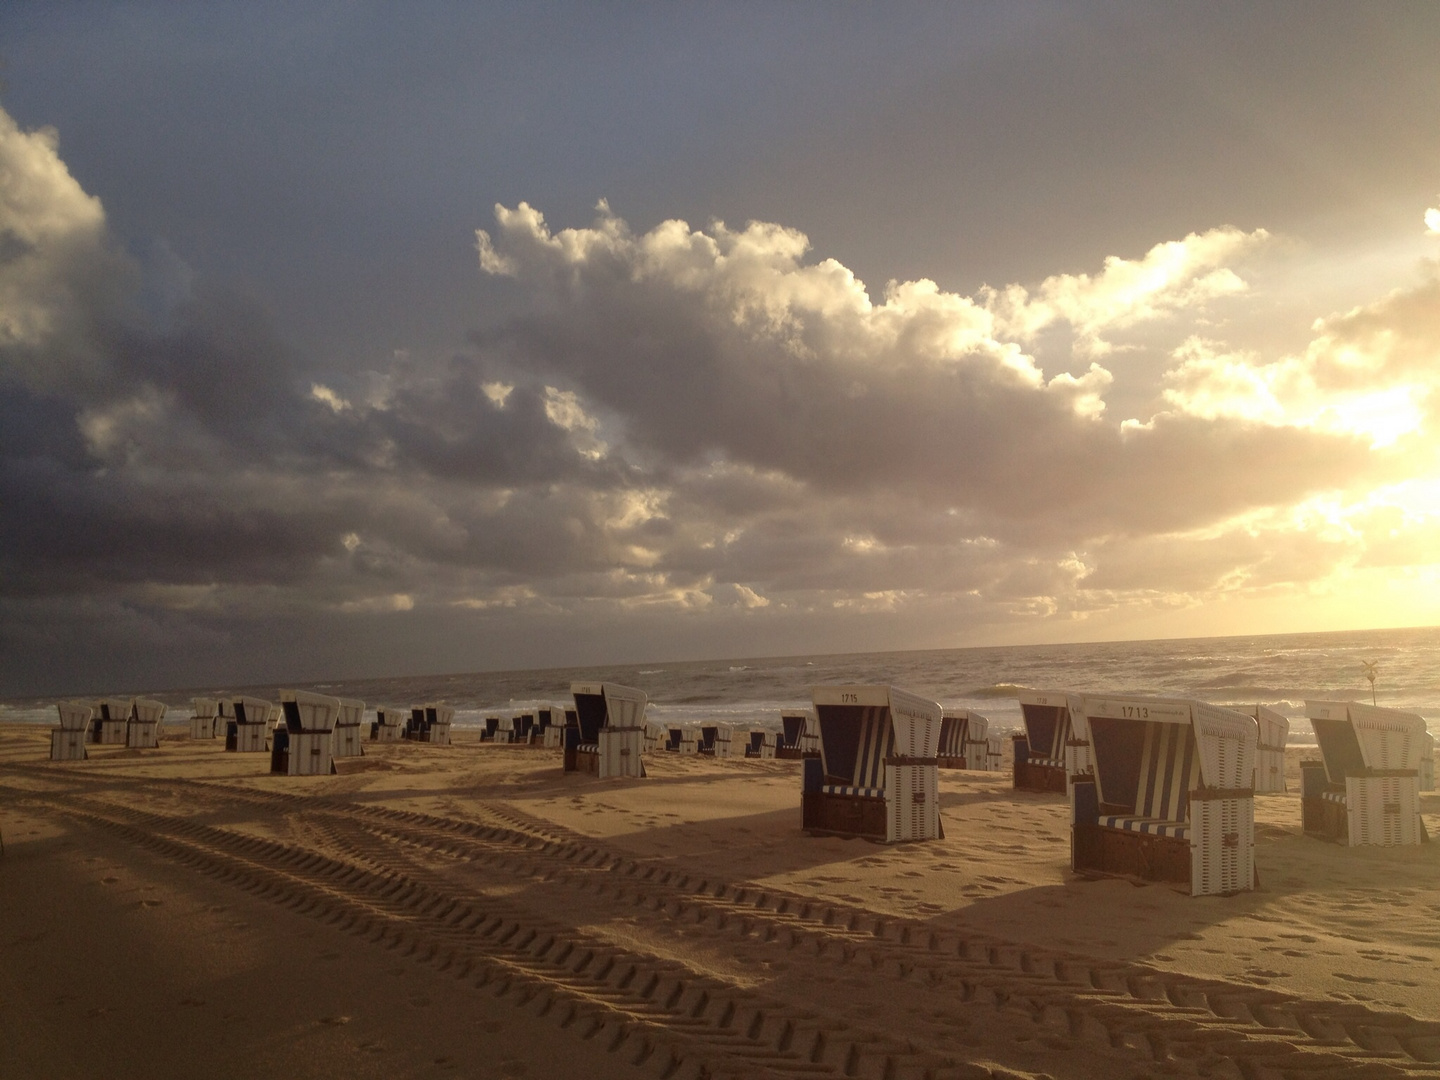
x: 469, y: 911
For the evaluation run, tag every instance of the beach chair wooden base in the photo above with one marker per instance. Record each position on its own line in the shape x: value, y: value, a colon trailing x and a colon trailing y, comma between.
x: 790, y: 753
x: 582, y: 759
x: 822, y: 814
x: 1325, y: 819
x: 1117, y: 853
x: 1040, y: 779
x: 67, y: 745
x: 951, y: 762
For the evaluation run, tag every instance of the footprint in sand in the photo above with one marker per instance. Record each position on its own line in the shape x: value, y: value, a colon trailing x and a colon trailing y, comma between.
x: 108, y: 880
x: 334, y: 1021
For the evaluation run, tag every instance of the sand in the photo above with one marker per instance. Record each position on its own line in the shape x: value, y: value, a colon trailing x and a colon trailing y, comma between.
x: 469, y: 911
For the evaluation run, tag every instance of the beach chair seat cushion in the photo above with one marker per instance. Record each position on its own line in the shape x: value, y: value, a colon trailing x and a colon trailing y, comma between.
x: 1049, y: 763
x: 850, y: 789
x: 1334, y: 796
x: 588, y: 748
x: 1150, y: 826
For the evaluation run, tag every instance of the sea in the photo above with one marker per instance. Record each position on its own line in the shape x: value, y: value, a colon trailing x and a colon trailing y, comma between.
x: 1279, y: 671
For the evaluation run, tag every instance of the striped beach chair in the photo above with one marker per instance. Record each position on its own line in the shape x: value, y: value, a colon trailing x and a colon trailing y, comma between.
x: 963, y: 742
x: 1366, y: 787
x: 67, y: 742
x: 1171, y: 797
x: 389, y: 724
x: 608, y: 738
x: 760, y: 743
x: 254, y: 718
x: 797, y: 735
x: 875, y: 774
x: 716, y: 740
x: 347, y: 728
x: 108, y: 720
x: 303, y: 743
x: 202, y: 717
x: 1055, y: 745
x: 1270, y: 755
x: 142, y: 730
x: 438, y: 719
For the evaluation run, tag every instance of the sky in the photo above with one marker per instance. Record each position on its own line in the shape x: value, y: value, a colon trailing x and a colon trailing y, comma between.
x: 350, y: 339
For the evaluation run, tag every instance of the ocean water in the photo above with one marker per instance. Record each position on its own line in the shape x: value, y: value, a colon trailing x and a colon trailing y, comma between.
x: 1279, y: 671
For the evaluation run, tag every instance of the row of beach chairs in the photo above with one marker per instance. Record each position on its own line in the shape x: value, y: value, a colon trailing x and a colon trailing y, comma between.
x: 130, y: 722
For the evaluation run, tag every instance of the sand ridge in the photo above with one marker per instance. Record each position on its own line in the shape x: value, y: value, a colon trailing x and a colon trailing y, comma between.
x: 684, y: 926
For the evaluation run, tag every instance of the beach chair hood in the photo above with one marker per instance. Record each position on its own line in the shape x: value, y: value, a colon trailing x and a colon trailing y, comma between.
x: 307, y: 711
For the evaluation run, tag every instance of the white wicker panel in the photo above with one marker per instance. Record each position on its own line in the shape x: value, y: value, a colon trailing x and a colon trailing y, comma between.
x: 1383, y: 810
x: 917, y: 724
x: 724, y: 740
x: 202, y: 727
x: 689, y: 741
x: 203, y: 707
x: 1222, y: 846
x: 994, y: 754
x: 1427, y: 765
x: 1389, y: 738
x: 440, y: 733
x: 912, y: 803
x: 553, y: 737
x: 1270, y: 770
x: 620, y: 752
x: 390, y: 733
x: 1227, y: 742
x: 311, y: 753
x: 67, y: 745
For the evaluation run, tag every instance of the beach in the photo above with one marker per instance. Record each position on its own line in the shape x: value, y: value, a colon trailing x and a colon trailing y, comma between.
x: 469, y: 911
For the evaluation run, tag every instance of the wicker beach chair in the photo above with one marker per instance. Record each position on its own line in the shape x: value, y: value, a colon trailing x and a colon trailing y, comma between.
x: 254, y: 718
x: 1366, y: 787
x: 348, y: 726
x: 438, y: 719
x: 389, y: 724
x: 963, y: 741
x: 552, y: 727
x: 202, y: 717
x: 876, y: 772
x: 109, y: 719
x: 1270, y: 755
x: 798, y: 735
x: 760, y: 743
x: 142, y: 730
x: 1170, y: 798
x: 303, y: 743
x: 608, y: 738
x: 716, y: 740
x: 67, y: 742
x: 1055, y: 746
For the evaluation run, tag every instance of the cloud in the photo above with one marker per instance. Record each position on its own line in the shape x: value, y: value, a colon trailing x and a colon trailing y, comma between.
x: 1172, y: 276
x: 682, y: 431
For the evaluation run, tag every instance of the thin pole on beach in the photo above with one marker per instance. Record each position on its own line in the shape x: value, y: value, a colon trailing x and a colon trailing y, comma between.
x: 1369, y: 666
